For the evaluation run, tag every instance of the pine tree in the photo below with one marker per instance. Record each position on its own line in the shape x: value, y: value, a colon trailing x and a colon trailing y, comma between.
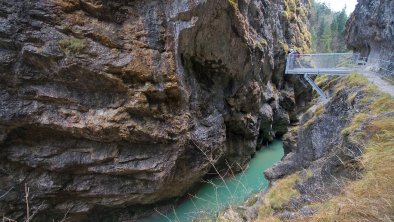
x: 341, y: 20
x: 327, y: 28
x: 326, y: 39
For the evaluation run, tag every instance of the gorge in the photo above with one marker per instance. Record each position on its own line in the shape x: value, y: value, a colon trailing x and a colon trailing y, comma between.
x: 112, y: 108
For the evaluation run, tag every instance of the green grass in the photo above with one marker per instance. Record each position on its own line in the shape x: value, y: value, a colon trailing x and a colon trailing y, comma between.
x: 278, y: 196
x: 282, y: 192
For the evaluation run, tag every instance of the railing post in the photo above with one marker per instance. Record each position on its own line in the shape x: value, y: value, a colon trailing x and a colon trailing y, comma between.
x: 289, y: 62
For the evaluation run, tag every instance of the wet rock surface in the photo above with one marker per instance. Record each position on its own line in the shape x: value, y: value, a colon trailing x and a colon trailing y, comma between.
x: 106, y: 106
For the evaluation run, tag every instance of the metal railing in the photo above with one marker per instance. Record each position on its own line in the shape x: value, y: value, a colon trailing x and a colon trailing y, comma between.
x: 327, y: 63
x: 335, y: 64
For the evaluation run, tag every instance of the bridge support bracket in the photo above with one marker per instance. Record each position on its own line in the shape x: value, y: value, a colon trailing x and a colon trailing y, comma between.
x: 315, y: 87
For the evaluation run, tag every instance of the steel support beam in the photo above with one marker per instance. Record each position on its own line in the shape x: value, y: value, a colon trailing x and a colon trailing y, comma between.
x: 315, y: 87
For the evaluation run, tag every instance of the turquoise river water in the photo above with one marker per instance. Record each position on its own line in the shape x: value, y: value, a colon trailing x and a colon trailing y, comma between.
x: 216, y: 195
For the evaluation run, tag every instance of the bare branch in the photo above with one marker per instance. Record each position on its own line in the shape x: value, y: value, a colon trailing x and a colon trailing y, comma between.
x: 65, y: 215
x: 6, y: 192
x: 27, y: 203
x: 162, y: 215
x: 6, y: 219
x: 176, y: 216
x: 36, y: 211
x: 214, y: 167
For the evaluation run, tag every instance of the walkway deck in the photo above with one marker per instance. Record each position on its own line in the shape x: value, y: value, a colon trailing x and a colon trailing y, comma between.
x: 333, y: 64
x: 319, y: 64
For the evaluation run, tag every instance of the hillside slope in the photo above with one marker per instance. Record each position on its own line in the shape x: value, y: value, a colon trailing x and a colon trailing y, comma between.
x: 340, y: 167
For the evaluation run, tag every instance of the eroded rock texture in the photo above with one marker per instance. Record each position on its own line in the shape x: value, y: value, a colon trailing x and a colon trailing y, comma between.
x: 370, y: 29
x: 108, y: 105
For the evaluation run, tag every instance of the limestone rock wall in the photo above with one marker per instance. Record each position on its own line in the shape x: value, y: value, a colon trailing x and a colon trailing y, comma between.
x: 370, y: 29
x: 108, y: 105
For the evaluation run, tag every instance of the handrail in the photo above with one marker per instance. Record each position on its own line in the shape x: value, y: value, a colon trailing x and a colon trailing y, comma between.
x: 335, y: 64
x: 321, y: 63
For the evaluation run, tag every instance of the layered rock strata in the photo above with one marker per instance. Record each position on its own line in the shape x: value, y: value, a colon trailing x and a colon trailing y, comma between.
x: 108, y: 105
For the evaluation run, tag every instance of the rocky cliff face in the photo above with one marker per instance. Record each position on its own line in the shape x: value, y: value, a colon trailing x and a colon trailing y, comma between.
x: 105, y: 105
x: 317, y: 143
x: 370, y: 29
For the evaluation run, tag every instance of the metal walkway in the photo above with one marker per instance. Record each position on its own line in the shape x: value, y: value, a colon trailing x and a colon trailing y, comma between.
x: 321, y: 64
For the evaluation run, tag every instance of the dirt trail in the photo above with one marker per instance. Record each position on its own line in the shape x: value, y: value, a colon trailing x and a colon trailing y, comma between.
x: 382, y: 84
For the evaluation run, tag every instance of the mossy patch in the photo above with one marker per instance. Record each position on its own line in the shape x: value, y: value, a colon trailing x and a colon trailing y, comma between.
x: 284, y: 16
x: 280, y: 194
x: 319, y: 110
x: 284, y: 46
x: 72, y: 44
x: 233, y: 3
x: 251, y: 200
x: 354, y: 127
x: 263, y: 43
x: 291, y: 5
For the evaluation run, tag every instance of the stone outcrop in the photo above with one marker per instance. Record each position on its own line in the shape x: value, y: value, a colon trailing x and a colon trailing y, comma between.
x: 108, y: 105
x: 370, y: 29
x: 318, y: 139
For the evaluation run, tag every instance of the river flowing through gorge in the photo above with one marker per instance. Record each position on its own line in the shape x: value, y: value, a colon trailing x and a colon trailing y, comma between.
x: 215, y: 195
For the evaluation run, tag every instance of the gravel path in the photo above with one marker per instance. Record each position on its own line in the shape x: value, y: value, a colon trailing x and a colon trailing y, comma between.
x: 382, y: 84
